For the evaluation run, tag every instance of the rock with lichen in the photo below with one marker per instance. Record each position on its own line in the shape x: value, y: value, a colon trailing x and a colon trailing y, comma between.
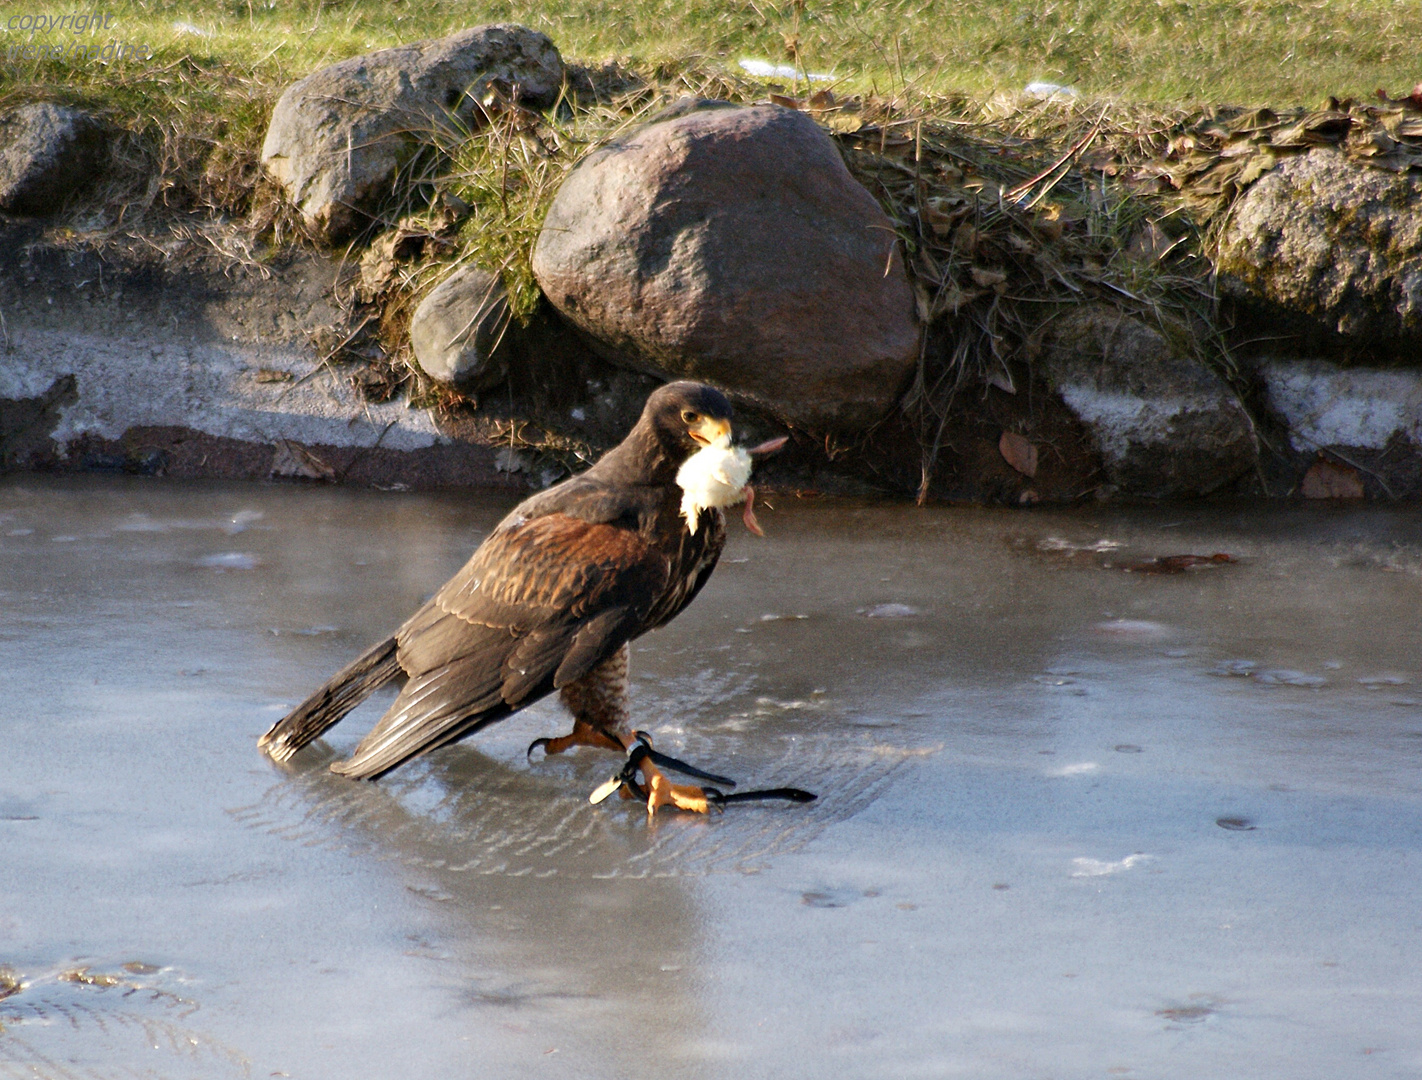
x: 339, y: 137
x: 1325, y: 256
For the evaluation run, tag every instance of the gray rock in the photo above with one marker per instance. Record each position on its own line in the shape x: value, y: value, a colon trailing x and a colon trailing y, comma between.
x: 1328, y: 252
x: 1163, y: 423
x: 47, y: 152
x: 338, y: 137
x: 461, y: 331
x: 730, y: 244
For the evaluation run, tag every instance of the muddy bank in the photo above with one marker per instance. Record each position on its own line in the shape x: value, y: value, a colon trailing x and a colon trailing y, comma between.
x: 176, y: 362
x: 131, y: 361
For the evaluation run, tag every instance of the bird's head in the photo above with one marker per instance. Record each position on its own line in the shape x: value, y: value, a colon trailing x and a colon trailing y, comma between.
x: 687, y: 416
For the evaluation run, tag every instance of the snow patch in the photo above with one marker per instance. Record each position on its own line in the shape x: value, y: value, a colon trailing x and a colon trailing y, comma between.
x: 764, y: 69
x: 1123, y: 419
x: 211, y: 388
x: 1328, y: 406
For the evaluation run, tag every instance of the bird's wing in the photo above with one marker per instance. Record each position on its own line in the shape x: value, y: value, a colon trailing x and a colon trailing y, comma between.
x: 536, y: 607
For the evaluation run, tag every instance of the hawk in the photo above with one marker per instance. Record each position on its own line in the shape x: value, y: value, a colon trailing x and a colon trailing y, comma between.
x: 550, y: 600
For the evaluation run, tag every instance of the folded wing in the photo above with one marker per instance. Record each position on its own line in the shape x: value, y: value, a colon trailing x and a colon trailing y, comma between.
x: 537, y: 606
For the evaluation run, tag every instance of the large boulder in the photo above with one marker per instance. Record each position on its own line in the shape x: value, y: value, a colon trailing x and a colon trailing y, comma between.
x: 47, y: 152
x: 338, y: 137
x: 1164, y: 424
x: 461, y: 332
x: 1330, y: 253
x: 730, y: 244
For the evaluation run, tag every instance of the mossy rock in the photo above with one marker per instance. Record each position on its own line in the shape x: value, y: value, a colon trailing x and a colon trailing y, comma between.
x: 1325, y: 256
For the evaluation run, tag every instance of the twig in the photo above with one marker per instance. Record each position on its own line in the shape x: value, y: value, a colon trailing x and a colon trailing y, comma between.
x: 365, y: 451
x: 1076, y: 148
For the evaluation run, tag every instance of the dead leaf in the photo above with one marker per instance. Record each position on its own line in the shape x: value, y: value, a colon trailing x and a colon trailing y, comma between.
x: 1330, y: 480
x: 1020, y: 243
x: 988, y: 279
x: 1328, y: 126
x: 1255, y: 120
x: 293, y: 460
x: 1100, y: 159
x: 412, y: 238
x: 509, y: 460
x: 1018, y: 451
x: 1150, y: 243
x: 1177, y: 564
x: 784, y: 101
x: 942, y: 213
x: 844, y: 123
x: 1050, y: 223
x: 1238, y: 147
x: 955, y: 298
x: 89, y: 978
x: 923, y: 303
x: 1257, y: 166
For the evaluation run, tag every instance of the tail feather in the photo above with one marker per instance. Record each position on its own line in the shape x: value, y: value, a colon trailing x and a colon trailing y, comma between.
x: 345, y: 690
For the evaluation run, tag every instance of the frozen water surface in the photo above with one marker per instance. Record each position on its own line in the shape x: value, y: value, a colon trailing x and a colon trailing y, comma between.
x: 1075, y: 821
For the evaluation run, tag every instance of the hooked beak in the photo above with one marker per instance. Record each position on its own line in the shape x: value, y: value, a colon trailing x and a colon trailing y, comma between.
x: 710, y: 431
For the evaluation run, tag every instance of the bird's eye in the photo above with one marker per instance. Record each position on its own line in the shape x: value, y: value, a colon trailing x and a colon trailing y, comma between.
x: 689, y: 416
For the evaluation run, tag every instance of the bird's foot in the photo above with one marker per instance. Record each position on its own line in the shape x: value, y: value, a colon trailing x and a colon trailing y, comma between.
x: 658, y: 791
x: 583, y: 734
x: 662, y: 792
x: 654, y: 787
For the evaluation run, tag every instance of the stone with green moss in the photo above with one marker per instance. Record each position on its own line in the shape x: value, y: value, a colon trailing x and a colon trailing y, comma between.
x: 1323, y: 255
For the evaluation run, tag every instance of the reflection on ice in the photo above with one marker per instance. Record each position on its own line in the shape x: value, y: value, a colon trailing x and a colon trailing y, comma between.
x: 231, y: 560
x: 1098, y: 868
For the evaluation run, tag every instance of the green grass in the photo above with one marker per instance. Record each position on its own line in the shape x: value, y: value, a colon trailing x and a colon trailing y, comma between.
x: 1177, y: 52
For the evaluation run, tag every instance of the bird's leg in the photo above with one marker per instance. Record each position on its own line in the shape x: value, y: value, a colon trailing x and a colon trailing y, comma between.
x: 583, y: 734
x: 598, y: 702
